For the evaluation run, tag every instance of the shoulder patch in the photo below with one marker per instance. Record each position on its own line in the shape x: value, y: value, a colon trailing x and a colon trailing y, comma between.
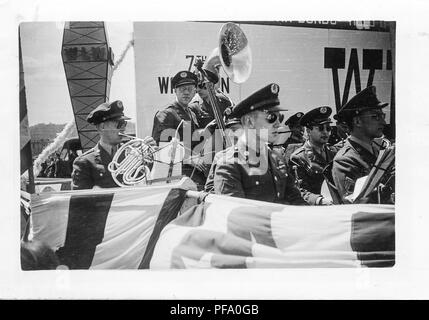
x: 349, y: 185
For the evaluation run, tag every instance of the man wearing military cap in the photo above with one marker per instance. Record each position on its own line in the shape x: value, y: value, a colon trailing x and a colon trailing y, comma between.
x: 250, y: 169
x: 297, y: 130
x: 167, y: 121
x: 364, y: 116
x: 310, y: 159
x: 296, y: 138
x: 90, y: 169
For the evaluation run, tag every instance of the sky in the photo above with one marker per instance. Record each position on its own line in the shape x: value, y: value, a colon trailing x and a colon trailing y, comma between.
x: 48, y: 99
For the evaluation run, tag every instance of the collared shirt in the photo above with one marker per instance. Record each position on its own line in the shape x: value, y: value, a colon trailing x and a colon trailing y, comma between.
x: 109, y: 148
x: 310, y: 165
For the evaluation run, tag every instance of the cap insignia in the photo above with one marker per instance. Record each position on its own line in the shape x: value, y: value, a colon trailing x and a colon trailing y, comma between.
x: 274, y: 88
x: 119, y: 104
x: 183, y: 74
x: 323, y: 110
x: 299, y: 115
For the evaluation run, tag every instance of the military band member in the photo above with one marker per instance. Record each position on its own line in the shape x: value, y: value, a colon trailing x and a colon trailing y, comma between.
x: 250, y: 169
x: 297, y: 130
x: 185, y: 86
x: 203, y: 109
x: 343, y: 133
x: 167, y: 121
x: 296, y: 139
x: 90, y: 169
x: 232, y: 126
x: 365, y: 118
x: 314, y: 155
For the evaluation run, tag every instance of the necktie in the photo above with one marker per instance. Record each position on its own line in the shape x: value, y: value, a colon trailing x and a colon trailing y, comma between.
x: 114, y: 149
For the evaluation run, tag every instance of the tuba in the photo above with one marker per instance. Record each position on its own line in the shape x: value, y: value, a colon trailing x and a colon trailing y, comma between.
x: 131, y: 163
x: 233, y: 54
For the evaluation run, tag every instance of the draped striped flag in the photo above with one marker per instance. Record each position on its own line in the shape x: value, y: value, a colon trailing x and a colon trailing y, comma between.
x: 227, y: 232
x: 105, y: 228
x: 159, y: 227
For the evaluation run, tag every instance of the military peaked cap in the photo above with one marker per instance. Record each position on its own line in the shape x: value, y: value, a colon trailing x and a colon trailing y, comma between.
x: 293, y: 120
x: 107, y: 111
x: 363, y: 101
x: 316, y: 117
x: 183, y: 78
x: 263, y: 99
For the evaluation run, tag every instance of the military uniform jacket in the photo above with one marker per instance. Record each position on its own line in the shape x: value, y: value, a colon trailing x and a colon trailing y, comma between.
x: 310, y: 165
x: 238, y: 176
x: 90, y: 170
x: 170, y: 118
x: 352, y: 162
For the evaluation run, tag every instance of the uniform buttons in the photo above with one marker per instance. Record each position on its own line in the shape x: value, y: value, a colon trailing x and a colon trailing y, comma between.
x: 257, y: 183
x: 101, y: 174
x: 278, y: 194
x: 286, y: 174
x: 275, y: 178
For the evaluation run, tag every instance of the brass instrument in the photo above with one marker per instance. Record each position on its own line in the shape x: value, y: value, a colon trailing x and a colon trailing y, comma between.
x: 234, y: 55
x: 381, y: 178
x: 130, y: 164
x: 298, y: 181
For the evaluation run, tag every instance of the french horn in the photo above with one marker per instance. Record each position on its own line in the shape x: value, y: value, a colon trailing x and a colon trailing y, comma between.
x: 131, y: 163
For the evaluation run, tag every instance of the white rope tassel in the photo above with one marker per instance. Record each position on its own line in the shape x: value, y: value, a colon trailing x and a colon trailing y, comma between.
x: 51, y: 148
x: 123, y: 54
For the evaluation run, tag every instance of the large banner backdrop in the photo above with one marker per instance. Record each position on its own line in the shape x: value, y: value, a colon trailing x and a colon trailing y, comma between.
x: 314, y: 66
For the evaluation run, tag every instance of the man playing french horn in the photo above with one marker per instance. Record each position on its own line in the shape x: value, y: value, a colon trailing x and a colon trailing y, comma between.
x: 91, y: 168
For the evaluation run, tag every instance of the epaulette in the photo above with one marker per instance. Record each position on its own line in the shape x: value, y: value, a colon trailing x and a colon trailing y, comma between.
x: 345, y: 149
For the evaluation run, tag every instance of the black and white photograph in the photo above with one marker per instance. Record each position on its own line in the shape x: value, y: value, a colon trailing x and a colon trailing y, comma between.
x: 227, y: 149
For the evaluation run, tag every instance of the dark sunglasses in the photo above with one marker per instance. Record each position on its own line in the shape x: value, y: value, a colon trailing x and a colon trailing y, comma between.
x: 272, y: 117
x: 375, y: 116
x: 121, y: 124
x: 322, y: 127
